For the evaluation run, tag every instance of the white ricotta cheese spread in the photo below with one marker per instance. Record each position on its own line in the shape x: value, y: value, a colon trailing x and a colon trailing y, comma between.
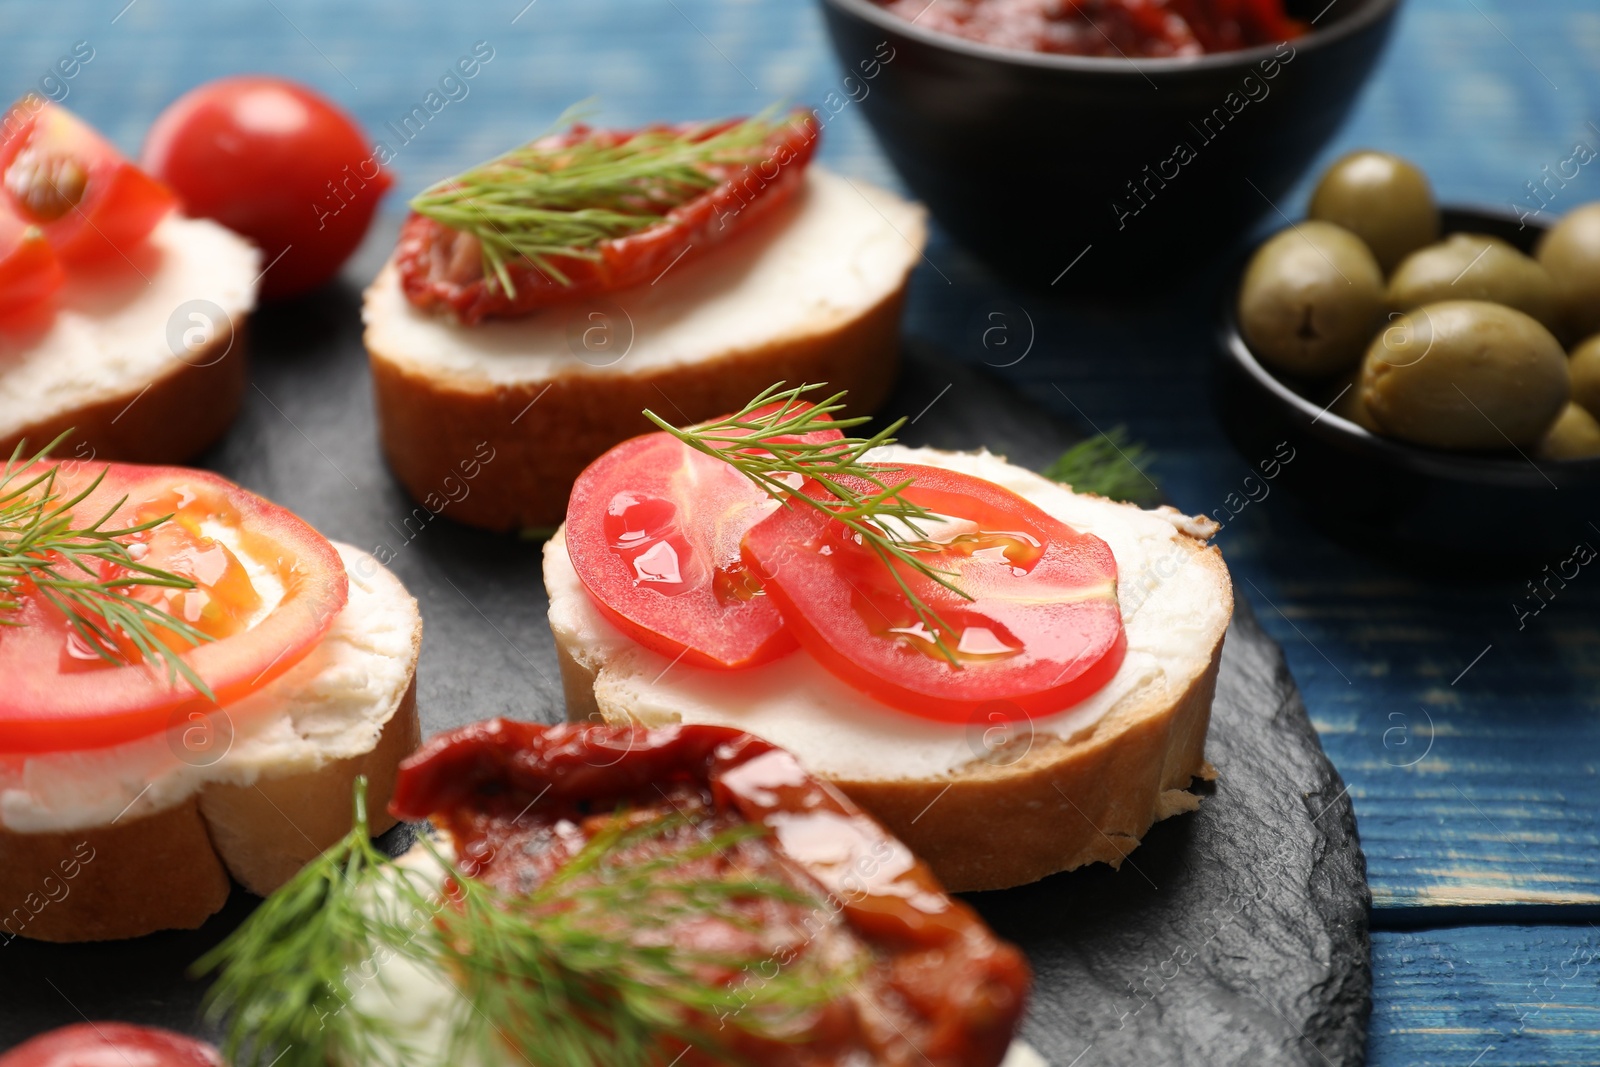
x: 112, y: 331
x: 840, y: 248
x: 331, y: 705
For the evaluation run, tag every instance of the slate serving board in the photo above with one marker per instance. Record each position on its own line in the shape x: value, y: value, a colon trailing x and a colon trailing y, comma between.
x: 1234, y: 935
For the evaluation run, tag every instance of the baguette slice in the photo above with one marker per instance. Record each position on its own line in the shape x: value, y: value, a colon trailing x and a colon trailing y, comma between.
x: 125, y: 363
x: 987, y: 806
x: 123, y: 841
x: 810, y: 294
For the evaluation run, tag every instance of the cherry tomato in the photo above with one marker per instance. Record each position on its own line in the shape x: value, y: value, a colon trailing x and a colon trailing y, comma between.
x: 277, y: 162
x: 441, y: 270
x: 30, y: 273
x: 111, y: 1045
x: 61, y: 694
x: 1042, y: 631
x: 653, y: 529
x: 63, y: 177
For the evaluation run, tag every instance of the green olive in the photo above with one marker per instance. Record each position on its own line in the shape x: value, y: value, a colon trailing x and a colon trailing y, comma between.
x: 1383, y: 200
x: 1570, y: 252
x: 1465, y: 374
x: 1470, y: 266
x: 1574, y: 435
x: 1585, y: 368
x: 1347, y: 404
x: 1311, y: 298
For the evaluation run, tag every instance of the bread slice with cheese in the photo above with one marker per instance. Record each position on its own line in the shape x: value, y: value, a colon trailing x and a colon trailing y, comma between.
x: 122, y: 841
x: 142, y: 358
x: 986, y: 804
x: 811, y: 293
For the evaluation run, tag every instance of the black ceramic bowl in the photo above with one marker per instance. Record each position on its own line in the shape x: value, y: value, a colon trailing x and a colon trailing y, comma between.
x: 1390, y: 493
x: 1034, y: 160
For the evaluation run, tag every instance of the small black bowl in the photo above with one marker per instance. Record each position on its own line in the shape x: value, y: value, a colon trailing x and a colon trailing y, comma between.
x: 1391, y: 494
x: 1035, y: 160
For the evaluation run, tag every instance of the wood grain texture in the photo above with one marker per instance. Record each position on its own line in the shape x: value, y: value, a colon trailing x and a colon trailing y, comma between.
x: 1487, y: 996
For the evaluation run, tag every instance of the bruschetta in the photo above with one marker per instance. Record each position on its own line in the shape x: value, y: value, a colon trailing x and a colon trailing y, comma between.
x: 540, y: 301
x: 194, y: 677
x: 120, y: 319
x: 617, y: 895
x: 1014, y: 678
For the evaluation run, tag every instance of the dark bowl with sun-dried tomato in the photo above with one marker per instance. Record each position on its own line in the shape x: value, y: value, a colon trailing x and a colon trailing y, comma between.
x: 1100, y: 172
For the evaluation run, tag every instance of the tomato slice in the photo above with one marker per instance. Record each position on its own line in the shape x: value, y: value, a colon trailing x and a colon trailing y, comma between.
x: 437, y: 273
x: 62, y: 176
x: 1042, y: 631
x: 109, y: 1044
x: 30, y: 273
x: 60, y: 694
x: 653, y: 530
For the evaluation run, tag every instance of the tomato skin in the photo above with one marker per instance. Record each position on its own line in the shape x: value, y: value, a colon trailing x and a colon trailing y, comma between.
x: 59, y: 699
x: 91, y: 203
x: 30, y: 272
x: 652, y: 505
x: 943, y: 984
x: 427, y: 261
x: 110, y: 1044
x: 1045, y: 652
x: 691, y: 623
x: 277, y: 162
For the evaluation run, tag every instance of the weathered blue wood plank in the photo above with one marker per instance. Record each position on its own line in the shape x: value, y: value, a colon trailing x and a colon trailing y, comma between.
x: 1486, y: 996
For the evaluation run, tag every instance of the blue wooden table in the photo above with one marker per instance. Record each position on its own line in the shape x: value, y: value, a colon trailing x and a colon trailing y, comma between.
x: 1470, y: 743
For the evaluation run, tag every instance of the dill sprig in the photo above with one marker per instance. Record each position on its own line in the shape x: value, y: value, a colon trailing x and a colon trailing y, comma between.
x: 85, y: 571
x: 553, y: 199
x: 578, y: 973
x: 768, y: 447
x: 1111, y: 465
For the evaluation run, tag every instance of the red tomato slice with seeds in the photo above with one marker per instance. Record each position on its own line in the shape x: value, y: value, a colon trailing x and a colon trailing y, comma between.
x: 61, y: 694
x: 30, y: 273
x: 62, y: 176
x: 653, y: 530
x: 1042, y: 631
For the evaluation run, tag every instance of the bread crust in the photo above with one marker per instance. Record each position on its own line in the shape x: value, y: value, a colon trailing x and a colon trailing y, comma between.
x: 169, y: 870
x: 131, y: 877
x: 264, y: 833
x: 1064, y: 803
x: 432, y: 427
x: 172, y: 418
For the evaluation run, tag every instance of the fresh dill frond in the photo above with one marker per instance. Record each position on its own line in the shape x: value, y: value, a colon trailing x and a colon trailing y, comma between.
x: 551, y: 199
x: 1109, y: 465
x: 768, y: 447
x: 287, y: 973
x: 85, y: 571
x: 581, y: 972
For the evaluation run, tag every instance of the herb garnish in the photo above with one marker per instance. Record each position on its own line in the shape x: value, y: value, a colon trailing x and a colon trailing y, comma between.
x: 549, y: 199
x: 1109, y: 465
x: 553, y: 977
x: 84, y: 571
x: 767, y: 446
